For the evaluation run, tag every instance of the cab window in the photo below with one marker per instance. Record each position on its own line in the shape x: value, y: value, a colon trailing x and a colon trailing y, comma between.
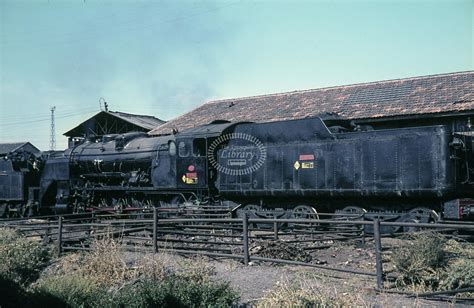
x: 199, y: 147
x: 183, y: 149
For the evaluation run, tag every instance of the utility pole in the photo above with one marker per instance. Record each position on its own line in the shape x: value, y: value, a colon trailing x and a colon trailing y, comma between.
x: 52, y: 145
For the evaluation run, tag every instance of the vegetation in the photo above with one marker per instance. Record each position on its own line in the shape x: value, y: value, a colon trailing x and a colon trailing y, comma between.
x: 21, y: 259
x: 301, y: 292
x: 103, y: 278
x: 92, y: 280
x: 107, y: 277
x: 430, y: 262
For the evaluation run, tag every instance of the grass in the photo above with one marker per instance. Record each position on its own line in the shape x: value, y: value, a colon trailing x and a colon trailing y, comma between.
x: 304, y: 291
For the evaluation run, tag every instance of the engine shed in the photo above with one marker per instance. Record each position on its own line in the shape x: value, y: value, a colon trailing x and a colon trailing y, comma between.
x: 444, y: 99
x: 111, y: 123
x: 14, y: 147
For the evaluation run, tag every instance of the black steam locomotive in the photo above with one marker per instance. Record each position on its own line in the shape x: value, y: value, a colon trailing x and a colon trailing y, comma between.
x: 290, y: 168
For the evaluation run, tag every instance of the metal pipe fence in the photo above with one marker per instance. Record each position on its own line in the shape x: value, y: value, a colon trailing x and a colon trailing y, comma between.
x: 219, y: 237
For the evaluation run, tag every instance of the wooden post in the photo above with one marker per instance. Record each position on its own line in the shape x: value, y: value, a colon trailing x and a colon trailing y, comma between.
x: 378, y: 254
x: 245, y: 225
x: 60, y: 235
x: 155, y: 230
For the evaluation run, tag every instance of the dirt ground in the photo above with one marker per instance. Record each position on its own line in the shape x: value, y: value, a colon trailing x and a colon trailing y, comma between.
x: 254, y: 281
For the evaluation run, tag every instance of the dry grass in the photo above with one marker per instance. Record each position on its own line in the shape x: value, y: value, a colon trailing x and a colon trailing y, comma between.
x: 317, y: 291
x: 154, y: 266
x: 105, y: 263
x: 196, y: 269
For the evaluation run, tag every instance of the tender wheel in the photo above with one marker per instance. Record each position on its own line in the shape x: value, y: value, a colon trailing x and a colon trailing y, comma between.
x: 250, y: 209
x: 420, y: 215
x: 382, y: 217
x: 353, y: 213
x: 424, y: 215
x: 303, y: 212
x: 253, y: 211
x: 350, y: 213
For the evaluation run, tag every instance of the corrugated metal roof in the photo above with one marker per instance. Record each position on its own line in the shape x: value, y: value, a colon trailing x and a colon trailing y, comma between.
x: 453, y: 92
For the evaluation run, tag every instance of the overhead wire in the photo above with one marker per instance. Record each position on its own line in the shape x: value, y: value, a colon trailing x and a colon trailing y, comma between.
x: 9, y: 118
x: 45, y: 119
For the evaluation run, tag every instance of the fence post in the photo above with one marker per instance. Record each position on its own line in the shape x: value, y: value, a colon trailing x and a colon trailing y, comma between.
x: 245, y: 227
x: 60, y: 235
x: 378, y: 254
x: 275, y: 229
x: 363, y: 230
x: 155, y: 230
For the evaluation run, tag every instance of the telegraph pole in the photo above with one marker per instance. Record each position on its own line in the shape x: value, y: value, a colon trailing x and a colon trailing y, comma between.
x: 52, y: 144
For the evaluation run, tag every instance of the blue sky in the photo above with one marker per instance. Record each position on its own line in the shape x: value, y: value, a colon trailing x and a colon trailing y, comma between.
x: 164, y: 58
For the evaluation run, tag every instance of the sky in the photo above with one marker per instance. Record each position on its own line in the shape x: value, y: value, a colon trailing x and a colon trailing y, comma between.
x: 164, y: 58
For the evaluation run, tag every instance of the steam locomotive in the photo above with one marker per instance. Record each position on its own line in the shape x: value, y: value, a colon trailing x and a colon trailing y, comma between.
x: 293, y: 168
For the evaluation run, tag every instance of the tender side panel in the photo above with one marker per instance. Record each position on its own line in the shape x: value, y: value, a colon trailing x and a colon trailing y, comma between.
x: 404, y: 162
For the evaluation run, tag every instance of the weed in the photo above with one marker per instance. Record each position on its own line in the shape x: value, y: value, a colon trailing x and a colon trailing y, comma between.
x: 195, y: 269
x: 21, y: 259
x: 298, y: 293
x: 429, y: 262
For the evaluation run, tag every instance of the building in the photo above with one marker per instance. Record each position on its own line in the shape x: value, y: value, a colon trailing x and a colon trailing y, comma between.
x: 6, y: 148
x: 113, y: 122
x: 425, y: 100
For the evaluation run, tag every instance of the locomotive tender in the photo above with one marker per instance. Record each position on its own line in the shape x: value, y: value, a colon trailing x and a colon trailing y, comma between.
x: 289, y: 168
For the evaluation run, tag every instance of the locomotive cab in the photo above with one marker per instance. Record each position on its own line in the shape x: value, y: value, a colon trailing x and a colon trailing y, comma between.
x: 193, y: 170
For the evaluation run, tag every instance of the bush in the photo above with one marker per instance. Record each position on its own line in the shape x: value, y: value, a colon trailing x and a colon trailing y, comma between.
x: 419, y: 259
x: 102, y: 278
x: 21, y: 259
x: 429, y: 262
x: 69, y: 290
x: 459, y: 274
x: 175, y: 292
